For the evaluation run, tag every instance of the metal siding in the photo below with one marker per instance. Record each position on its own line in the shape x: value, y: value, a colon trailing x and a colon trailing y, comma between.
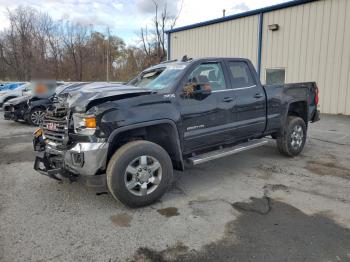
x: 344, y: 80
x: 312, y: 43
x: 240, y: 15
x: 236, y: 38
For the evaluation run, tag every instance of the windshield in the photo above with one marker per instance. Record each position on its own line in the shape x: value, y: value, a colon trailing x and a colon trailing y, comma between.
x: 159, y: 78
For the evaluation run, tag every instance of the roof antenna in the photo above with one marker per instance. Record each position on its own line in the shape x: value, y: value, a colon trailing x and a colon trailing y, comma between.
x: 223, y: 12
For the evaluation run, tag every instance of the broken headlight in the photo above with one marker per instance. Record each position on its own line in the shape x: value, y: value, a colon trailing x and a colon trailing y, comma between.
x: 84, y: 124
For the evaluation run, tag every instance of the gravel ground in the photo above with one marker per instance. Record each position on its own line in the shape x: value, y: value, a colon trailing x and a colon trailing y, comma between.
x: 254, y: 206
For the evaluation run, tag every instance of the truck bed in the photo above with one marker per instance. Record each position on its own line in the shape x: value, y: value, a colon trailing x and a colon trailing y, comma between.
x: 279, y: 96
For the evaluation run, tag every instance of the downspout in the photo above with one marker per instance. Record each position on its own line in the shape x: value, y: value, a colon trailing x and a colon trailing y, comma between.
x: 260, y: 35
x: 168, y: 51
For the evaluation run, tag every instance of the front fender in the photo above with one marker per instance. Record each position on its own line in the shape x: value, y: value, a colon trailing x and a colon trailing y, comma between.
x: 176, y: 136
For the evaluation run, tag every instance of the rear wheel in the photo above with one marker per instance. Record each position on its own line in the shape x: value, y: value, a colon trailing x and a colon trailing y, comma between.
x: 292, y: 141
x: 139, y: 173
x: 36, y: 116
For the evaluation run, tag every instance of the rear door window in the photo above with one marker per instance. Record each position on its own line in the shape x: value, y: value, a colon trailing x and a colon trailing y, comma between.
x: 240, y: 74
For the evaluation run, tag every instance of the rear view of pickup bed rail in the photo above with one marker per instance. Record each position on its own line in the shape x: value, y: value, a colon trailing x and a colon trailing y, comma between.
x: 131, y: 136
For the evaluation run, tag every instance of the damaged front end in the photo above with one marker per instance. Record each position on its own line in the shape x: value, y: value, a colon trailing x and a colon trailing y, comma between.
x: 15, y: 110
x: 46, y: 163
x: 72, y: 142
x: 60, y: 154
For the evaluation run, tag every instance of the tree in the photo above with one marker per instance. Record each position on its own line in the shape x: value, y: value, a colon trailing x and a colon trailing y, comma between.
x: 154, y: 41
x: 75, y: 39
x: 35, y: 46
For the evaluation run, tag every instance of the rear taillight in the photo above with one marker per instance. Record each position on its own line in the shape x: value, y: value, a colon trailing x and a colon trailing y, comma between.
x: 316, y: 95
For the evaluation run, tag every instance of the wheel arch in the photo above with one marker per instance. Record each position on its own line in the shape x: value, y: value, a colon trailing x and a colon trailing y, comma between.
x: 292, y: 108
x: 37, y: 107
x: 298, y: 108
x: 162, y: 132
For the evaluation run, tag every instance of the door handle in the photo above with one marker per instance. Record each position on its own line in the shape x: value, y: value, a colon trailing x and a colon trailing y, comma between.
x: 227, y: 99
x: 258, y: 95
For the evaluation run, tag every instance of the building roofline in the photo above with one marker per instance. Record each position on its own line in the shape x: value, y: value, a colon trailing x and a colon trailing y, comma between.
x: 240, y: 15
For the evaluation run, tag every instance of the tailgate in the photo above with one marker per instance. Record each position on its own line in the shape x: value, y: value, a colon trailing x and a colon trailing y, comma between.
x: 313, y: 102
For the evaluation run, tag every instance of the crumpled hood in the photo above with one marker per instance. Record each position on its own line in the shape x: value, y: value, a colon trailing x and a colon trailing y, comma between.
x: 78, y: 100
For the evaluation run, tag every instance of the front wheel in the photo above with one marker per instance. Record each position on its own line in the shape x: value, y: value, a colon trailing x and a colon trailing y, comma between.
x: 139, y: 173
x: 36, y: 116
x: 293, y: 139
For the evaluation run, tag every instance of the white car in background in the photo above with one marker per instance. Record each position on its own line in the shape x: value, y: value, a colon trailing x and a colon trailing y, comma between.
x: 6, y: 95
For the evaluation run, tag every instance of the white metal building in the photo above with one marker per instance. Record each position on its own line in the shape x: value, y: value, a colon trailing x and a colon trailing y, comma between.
x: 301, y: 40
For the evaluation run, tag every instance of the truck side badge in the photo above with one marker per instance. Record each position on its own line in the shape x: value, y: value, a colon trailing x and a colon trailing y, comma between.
x: 195, y: 127
x: 169, y: 96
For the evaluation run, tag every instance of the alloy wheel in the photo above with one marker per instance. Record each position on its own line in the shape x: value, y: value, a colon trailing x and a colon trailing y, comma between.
x: 143, y: 175
x: 37, y: 117
x: 296, y: 137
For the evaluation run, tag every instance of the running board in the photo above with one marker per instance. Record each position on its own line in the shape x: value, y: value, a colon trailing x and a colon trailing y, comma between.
x: 199, y: 159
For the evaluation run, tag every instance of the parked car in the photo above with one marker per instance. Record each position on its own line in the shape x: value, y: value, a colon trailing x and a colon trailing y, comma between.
x: 22, y: 90
x: 32, y: 106
x: 11, y: 86
x: 132, y: 136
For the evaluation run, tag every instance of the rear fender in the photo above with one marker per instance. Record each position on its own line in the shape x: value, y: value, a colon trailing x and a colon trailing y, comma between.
x: 296, y: 108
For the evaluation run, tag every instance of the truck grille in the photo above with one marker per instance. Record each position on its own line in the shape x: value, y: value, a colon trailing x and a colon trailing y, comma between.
x: 55, y: 125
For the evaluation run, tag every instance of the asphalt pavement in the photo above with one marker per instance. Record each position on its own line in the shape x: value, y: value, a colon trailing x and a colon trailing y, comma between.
x: 253, y: 206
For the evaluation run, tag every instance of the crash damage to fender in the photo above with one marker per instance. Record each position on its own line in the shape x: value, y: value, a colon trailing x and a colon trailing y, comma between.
x: 94, y: 94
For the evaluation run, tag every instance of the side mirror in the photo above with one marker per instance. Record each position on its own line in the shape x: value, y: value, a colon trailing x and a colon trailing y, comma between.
x: 197, y: 90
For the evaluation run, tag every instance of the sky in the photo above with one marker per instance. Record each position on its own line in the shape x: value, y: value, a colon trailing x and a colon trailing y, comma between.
x: 126, y: 17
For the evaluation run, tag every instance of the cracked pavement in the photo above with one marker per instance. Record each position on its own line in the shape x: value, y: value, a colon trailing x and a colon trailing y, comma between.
x: 253, y: 206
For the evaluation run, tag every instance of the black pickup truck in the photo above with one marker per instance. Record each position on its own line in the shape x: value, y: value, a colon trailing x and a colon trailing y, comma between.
x: 131, y: 136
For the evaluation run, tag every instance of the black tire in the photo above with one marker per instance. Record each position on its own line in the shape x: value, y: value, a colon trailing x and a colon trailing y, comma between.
x: 34, y: 116
x: 117, y: 174
x: 288, y: 144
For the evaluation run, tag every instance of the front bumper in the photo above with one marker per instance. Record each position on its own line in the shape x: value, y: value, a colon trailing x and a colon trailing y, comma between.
x: 8, y: 112
x: 12, y: 112
x: 8, y: 115
x: 84, y: 159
